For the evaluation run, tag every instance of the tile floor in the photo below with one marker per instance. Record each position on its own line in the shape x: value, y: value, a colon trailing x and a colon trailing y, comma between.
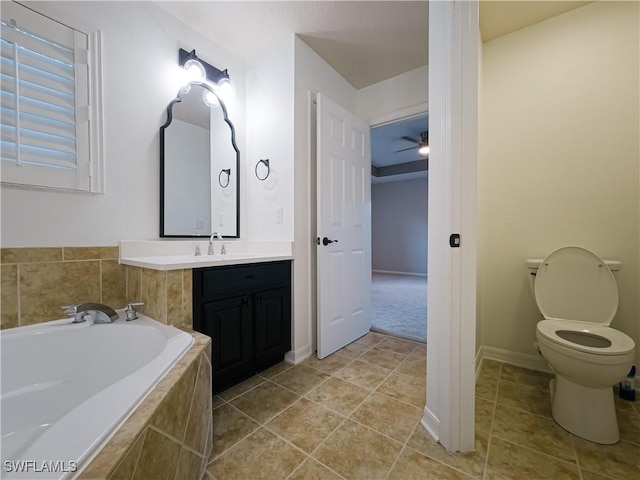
x: 355, y: 415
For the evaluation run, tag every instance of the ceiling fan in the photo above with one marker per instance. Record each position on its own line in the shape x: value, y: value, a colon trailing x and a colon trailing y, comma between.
x: 422, y: 145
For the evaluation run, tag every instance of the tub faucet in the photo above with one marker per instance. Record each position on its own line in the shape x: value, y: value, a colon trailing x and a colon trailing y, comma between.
x: 223, y: 250
x: 98, y: 312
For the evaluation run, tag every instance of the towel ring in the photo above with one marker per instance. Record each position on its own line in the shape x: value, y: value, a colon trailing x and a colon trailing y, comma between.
x: 228, y: 172
x: 266, y: 164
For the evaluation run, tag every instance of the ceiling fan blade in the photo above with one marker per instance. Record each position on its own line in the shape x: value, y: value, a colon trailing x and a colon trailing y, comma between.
x: 405, y: 149
x: 409, y: 139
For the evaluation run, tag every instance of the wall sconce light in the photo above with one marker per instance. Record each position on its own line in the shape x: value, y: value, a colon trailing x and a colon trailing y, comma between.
x: 200, y: 71
x: 264, y: 176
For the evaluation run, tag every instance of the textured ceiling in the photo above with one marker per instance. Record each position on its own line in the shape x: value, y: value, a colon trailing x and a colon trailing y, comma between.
x: 366, y: 42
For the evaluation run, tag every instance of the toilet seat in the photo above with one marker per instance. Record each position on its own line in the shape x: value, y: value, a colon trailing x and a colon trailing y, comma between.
x: 575, y: 284
x: 621, y: 344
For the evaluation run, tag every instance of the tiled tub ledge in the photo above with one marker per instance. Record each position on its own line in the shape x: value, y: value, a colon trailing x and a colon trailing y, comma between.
x: 169, y: 435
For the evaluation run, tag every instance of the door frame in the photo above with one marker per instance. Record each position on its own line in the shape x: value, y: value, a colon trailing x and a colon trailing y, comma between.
x: 454, y: 43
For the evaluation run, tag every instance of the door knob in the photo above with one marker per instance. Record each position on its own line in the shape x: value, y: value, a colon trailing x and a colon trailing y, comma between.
x: 326, y: 241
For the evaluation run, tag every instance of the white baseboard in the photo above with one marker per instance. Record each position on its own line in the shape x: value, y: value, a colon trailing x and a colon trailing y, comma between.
x: 400, y: 273
x: 431, y: 424
x: 298, y: 356
x: 532, y: 362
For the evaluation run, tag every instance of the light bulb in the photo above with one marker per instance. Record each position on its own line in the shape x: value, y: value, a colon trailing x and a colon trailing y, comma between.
x: 195, y: 71
x: 225, y: 88
x: 210, y: 99
x: 423, y: 150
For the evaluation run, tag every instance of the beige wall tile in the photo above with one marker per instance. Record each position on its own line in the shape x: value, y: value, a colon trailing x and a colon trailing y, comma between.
x: 201, y: 408
x: 187, y: 298
x: 158, y: 459
x: 45, y: 287
x: 9, y: 296
x: 114, y: 284
x: 174, y: 297
x: 189, y: 465
x: 125, y: 469
x: 154, y: 294
x: 134, y: 284
x: 30, y: 255
x: 173, y: 413
x: 89, y: 253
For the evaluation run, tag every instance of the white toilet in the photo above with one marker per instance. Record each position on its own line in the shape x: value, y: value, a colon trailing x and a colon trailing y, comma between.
x: 577, y: 294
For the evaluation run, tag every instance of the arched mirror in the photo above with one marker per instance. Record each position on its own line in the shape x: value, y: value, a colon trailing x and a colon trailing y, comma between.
x: 199, y: 167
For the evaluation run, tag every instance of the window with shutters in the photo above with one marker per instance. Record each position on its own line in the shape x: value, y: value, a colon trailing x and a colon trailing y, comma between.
x: 51, y: 114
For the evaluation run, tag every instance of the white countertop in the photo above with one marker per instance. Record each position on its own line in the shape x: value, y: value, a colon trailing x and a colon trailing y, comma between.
x: 179, y: 262
x: 177, y: 255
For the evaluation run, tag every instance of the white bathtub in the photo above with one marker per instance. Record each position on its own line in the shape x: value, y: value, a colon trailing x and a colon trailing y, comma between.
x: 65, y: 388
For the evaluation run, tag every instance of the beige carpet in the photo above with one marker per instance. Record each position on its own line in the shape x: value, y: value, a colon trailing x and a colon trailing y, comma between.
x: 399, y: 305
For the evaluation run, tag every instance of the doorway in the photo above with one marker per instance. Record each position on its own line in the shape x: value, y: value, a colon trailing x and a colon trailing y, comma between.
x: 399, y: 227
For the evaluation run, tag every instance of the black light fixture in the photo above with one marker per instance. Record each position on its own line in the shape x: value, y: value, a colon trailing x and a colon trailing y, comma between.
x: 212, y: 73
x: 201, y: 71
x: 422, y: 145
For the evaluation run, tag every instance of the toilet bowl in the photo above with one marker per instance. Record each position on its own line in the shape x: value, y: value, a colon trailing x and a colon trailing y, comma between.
x: 578, y: 297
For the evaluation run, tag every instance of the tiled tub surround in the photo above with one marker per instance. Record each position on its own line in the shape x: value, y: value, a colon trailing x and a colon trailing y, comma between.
x: 169, y: 436
x: 37, y: 281
x: 356, y: 415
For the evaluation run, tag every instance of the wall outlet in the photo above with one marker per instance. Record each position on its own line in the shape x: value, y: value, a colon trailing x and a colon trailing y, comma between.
x: 279, y: 214
x: 221, y: 220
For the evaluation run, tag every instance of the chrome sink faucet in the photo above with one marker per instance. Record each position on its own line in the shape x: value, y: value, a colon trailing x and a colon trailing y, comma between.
x: 97, y: 312
x: 223, y: 250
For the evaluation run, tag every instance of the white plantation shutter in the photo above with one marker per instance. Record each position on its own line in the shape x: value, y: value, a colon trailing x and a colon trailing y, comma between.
x: 44, y: 102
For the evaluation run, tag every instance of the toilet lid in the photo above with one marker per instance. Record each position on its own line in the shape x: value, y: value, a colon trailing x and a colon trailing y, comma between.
x: 573, y: 283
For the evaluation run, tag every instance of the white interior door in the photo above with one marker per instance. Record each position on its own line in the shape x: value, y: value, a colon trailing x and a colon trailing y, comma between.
x: 343, y: 226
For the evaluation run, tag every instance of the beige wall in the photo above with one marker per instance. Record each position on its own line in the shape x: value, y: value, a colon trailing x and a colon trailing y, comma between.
x: 558, y: 161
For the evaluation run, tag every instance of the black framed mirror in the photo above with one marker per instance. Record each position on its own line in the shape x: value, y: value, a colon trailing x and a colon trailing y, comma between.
x: 199, y: 167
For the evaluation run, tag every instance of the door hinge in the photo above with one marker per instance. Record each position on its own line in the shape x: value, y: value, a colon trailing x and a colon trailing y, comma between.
x: 454, y: 240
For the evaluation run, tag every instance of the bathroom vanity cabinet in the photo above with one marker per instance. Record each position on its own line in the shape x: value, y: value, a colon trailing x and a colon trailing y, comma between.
x: 246, y: 310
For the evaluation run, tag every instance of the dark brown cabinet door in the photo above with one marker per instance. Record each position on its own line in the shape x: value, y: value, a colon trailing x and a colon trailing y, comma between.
x: 272, y: 325
x: 246, y: 310
x: 229, y: 323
